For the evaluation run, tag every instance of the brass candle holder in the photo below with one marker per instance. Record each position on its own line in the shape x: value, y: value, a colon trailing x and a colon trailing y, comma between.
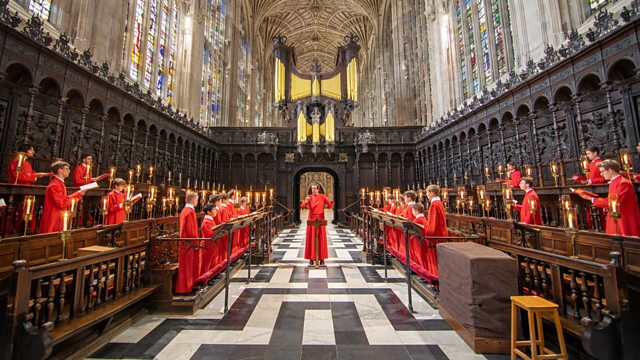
x: 65, y: 234
x: 444, y: 194
x: 104, y: 207
x: 507, y: 196
x: 533, y: 207
x: 555, y: 171
x: 572, y: 231
x: 565, y: 206
x: 128, y: 204
x: 482, y: 195
x: 614, y: 209
x: 130, y: 180
x: 138, y: 172
x: 151, y: 201
x: 625, y: 161
x: 27, y: 211
x: 150, y: 180
x: 528, y: 170
x: 21, y: 159
x: 500, y: 171
x: 487, y: 173
x: 584, y: 165
x: 112, y: 175
x: 87, y: 173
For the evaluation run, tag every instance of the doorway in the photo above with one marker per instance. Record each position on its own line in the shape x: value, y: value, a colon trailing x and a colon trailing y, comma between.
x: 329, y: 186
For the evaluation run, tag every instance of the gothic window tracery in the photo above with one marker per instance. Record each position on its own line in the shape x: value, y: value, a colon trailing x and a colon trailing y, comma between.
x: 212, y: 54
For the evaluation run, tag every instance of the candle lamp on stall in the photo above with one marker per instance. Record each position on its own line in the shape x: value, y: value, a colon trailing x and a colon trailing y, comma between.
x: 264, y: 198
x: 572, y: 230
x: 625, y: 161
x: 130, y: 176
x: 180, y: 180
x: 555, y: 171
x: 487, y: 173
x: 461, y: 198
x: 87, y: 174
x: 528, y: 170
x: 584, y: 165
x: 444, y: 194
x: 470, y: 204
x: 171, y: 195
x: 150, y: 180
x: 138, y: 172
x: 377, y: 198
x: 482, y: 196
x: 565, y: 205
x: 371, y: 198
x: 614, y: 209
x: 164, y: 206
x: 104, y: 207
x: 67, y: 218
x: 112, y: 175
x: 533, y: 206
x: 507, y: 197
x: 21, y: 159
x: 128, y: 191
x: 363, y: 196
x: 271, y: 196
x: 500, y: 170
x: 27, y: 211
x: 151, y: 200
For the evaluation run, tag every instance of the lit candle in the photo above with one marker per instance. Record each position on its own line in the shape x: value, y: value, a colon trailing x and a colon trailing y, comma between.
x: 264, y: 197
x: 570, y: 221
x: 362, y: 194
x: 371, y: 195
x: 72, y: 207
x: 177, y: 202
x: 130, y: 175
x: 188, y: 183
x: 528, y: 170
x: 105, y: 202
x: 585, y: 165
x: 180, y: 179
x: 500, y: 168
x: 169, y: 175
x: 29, y: 204
x: 128, y: 191
x: 138, y: 169
x: 377, y: 197
x: 151, y: 174
x: 65, y: 220
x: 21, y: 157
x: 88, y: 173
x: 237, y: 193
x: 554, y: 168
x: 164, y: 202
x: 508, y: 194
x: 532, y: 204
x: 152, y: 193
x: 203, y: 193
x: 171, y: 192
x: 487, y: 172
x: 112, y: 172
x: 249, y: 197
x: 271, y: 193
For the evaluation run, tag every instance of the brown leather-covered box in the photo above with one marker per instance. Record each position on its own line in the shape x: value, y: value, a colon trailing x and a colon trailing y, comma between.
x: 475, y: 285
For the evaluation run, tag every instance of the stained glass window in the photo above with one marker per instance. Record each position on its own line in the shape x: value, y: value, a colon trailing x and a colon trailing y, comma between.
x: 42, y: 8
x: 210, y: 86
x: 173, y: 48
x: 483, y: 30
x: 137, y: 40
x: 498, y: 31
x: 484, y: 40
x: 461, y: 50
x: 151, y: 42
x: 162, y: 44
x: 472, y: 48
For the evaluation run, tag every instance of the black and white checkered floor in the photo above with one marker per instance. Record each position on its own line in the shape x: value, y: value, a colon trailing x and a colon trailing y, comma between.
x: 289, y: 311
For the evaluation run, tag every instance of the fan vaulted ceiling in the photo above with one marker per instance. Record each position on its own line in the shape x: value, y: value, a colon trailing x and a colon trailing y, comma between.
x: 315, y: 28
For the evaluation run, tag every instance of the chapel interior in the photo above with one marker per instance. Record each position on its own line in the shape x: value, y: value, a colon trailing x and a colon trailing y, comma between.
x: 319, y: 179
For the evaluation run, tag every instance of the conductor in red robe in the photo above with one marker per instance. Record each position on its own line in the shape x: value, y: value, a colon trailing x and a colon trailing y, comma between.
x: 209, y: 247
x: 316, y: 203
x: 116, y: 213
x: 530, y: 208
x: 513, y: 174
x: 621, y: 190
x: 83, y: 173
x: 56, y: 199
x: 188, y: 253
x: 27, y: 175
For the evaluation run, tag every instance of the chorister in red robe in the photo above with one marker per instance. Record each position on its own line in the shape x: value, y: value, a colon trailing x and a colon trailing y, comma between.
x: 526, y: 215
x: 316, y: 204
x: 406, y: 213
x: 116, y: 213
x: 188, y: 255
x: 27, y: 175
x: 392, y: 238
x: 56, y: 202
x: 594, y: 172
x: 209, y: 247
x: 436, y: 225
x: 514, y: 178
x: 629, y: 221
x: 246, y: 231
x: 222, y: 246
x: 79, y: 174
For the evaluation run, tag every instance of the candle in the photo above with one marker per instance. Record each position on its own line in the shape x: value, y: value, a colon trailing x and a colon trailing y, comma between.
x: 112, y: 172
x: 29, y: 205
x: 371, y: 195
x: 177, y: 202
x: 130, y: 175
x: 87, y: 174
x: 362, y: 193
x: 500, y: 168
x: 508, y: 195
x: 487, y: 172
x: 532, y: 205
x: 138, y: 170
x: 164, y: 202
x: 179, y: 179
x: 249, y: 197
x: 188, y: 183
x: 614, y: 205
x: 203, y: 193
x: 65, y: 220
x: 264, y: 197
x: 528, y: 170
x: 271, y: 193
x: 128, y: 191
x: 585, y: 164
x: 554, y: 168
x: 377, y: 197
x: 171, y: 192
x: 21, y: 157
x: 72, y: 206
x: 169, y: 176
x: 153, y: 190
x: 151, y: 174
x: 570, y: 221
x: 237, y: 193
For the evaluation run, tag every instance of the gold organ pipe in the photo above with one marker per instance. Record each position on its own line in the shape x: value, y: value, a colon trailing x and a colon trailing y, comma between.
x: 302, y: 122
x: 331, y: 87
x: 330, y: 131
x: 315, y: 87
x: 316, y: 133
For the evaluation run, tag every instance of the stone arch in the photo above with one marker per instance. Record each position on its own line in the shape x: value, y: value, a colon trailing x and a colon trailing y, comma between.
x: 19, y: 74
x: 563, y: 95
x: 589, y: 84
x: 621, y: 70
x: 50, y: 87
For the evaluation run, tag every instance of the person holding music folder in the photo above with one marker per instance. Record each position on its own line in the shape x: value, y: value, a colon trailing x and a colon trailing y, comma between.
x: 116, y: 212
x: 56, y: 200
x: 27, y: 175
x: 513, y: 174
x: 209, y: 248
x: 316, y: 203
x: 188, y: 252
x: 621, y: 192
x: 530, y: 208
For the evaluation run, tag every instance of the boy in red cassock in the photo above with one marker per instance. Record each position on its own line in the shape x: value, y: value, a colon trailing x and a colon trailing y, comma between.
x: 83, y: 173
x: 531, y: 199
x: 188, y: 253
x: 116, y: 213
x: 246, y: 231
x: 27, y: 175
x: 209, y: 248
x: 56, y: 199
x: 513, y: 174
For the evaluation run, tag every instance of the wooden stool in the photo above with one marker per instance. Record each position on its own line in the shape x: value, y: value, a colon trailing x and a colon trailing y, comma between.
x: 535, y: 307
